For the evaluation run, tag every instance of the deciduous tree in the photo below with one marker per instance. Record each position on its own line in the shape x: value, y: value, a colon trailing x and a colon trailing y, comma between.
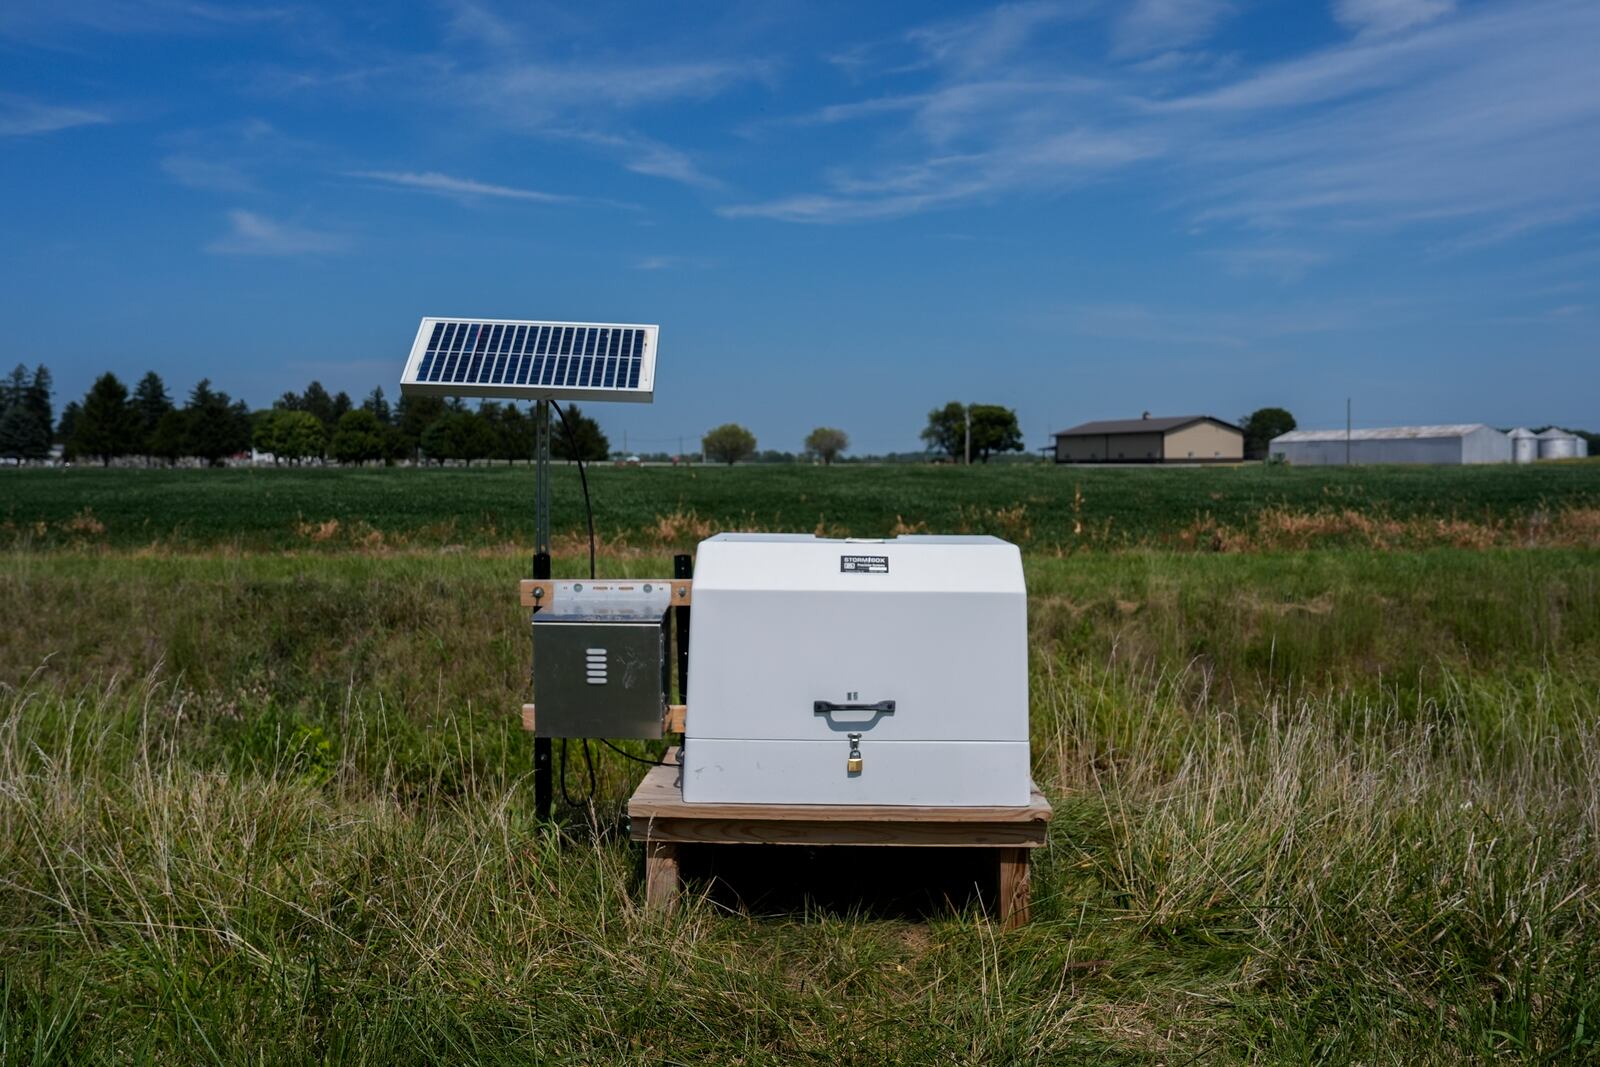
x: 359, y: 438
x: 1261, y: 426
x: 994, y: 430
x: 729, y: 443
x: 462, y: 435
x: 826, y: 443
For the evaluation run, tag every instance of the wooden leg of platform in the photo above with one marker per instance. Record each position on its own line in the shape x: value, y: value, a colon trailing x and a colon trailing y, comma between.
x: 660, y: 876
x: 1014, y: 890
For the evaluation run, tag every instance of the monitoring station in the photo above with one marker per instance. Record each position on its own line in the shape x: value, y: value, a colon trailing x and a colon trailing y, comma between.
x: 852, y: 691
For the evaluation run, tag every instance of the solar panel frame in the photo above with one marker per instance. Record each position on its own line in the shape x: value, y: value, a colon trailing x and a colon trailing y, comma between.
x: 532, y: 359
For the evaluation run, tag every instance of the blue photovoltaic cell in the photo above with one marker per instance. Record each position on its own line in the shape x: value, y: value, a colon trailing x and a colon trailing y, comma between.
x: 433, y: 346
x: 590, y: 337
x: 609, y: 375
x: 588, y: 357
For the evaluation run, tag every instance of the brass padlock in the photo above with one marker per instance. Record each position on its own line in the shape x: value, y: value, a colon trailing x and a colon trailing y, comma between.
x: 853, y: 764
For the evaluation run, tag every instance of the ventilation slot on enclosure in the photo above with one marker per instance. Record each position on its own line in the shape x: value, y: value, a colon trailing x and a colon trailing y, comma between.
x: 594, y: 665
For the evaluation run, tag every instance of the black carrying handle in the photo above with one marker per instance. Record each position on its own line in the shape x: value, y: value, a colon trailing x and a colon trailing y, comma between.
x: 828, y: 707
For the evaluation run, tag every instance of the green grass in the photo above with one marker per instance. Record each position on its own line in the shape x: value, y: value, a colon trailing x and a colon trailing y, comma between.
x: 1328, y: 806
x: 1043, y: 506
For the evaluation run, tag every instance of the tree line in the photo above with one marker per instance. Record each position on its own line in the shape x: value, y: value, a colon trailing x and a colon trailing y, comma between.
x: 992, y: 430
x: 111, y: 424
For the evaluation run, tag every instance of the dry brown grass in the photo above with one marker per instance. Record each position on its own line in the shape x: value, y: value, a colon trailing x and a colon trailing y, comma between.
x: 1277, y: 529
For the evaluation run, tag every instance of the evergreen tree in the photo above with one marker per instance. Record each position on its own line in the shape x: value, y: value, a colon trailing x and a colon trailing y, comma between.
x: 592, y: 443
x: 218, y: 427
x: 15, y: 387
x: 105, y: 428
x: 170, y: 438
x: 36, y: 398
x: 25, y: 414
x: 68, y: 423
x: 413, y: 416
x: 317, y: 401
x: 515, y: 432
x: 341, y: 406
x: 150, y: 403
x: 21, y: 435
x: 378, y: 405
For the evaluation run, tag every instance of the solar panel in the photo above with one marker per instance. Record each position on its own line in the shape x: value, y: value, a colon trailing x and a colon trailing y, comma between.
x: 533, y: 360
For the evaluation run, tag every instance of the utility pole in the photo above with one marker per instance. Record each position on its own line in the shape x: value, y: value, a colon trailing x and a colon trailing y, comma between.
x: 1347, y: 425
x: 966, y: 437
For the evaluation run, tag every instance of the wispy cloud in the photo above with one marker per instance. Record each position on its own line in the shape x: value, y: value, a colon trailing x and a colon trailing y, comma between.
x: 502, y: 73
x: 642, y: 155
x: 45, y: 22
x: 234, y: 157
x: 1389, y: 16
x: 460, y: 188
x: 978, y: 43
x: 211, y: 175
x: 1275, y: 261
x: 1147, y: 26
x: 1486, y: 120
x: 670, y: 262
x: 21, y: 117
x: 250, y: 234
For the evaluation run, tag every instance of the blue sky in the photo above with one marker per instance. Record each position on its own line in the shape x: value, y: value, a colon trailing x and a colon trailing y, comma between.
x: 840, y: 214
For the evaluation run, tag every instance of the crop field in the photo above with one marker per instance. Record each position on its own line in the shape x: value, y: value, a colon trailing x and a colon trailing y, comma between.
x: 1043, y: 507
x: 1323, y: 748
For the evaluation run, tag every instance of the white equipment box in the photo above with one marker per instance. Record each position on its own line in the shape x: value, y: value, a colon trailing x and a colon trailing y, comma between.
x: 827, y: 671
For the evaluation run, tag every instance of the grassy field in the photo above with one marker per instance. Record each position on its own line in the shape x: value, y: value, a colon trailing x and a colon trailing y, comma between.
x: 1314, y: 804
x: 1043, y: 507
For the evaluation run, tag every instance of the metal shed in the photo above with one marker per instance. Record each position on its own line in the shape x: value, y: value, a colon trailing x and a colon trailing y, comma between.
x: 1441, y: 445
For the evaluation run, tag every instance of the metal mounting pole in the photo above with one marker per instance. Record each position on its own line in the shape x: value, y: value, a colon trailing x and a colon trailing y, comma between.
x: 543, y: 778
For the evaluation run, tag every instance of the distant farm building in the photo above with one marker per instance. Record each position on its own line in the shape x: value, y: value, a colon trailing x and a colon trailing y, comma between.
x: 1173, y: 439
x: 1441, y: 445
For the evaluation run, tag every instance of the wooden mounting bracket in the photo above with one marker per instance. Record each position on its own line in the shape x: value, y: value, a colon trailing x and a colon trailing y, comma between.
x: 671, y: 721
x: 542, y: 592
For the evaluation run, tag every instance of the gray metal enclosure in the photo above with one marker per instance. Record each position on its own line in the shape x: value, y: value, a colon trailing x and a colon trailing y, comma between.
x: 1429, y: 445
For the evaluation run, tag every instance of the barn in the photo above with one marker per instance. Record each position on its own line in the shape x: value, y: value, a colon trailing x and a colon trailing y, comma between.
x: 1439, y: 445
x: 1167, y: 439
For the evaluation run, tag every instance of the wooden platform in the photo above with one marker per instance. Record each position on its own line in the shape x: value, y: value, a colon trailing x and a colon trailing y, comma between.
x: 659, y: 818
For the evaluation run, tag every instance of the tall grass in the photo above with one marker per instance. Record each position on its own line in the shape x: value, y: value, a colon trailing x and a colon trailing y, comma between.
x: 1302, y: 882
x: 1327, y: 807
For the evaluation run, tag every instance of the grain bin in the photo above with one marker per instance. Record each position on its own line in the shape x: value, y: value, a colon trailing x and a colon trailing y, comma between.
x: 1556, y: 443
x: 1524, y: 445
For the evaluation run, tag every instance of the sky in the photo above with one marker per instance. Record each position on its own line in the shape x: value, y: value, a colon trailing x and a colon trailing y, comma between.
x: 840, y: 214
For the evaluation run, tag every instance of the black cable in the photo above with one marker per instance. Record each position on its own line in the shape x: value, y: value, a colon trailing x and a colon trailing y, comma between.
x: 636, y: 759
x: 588, y: 759
x: 583, y: 479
